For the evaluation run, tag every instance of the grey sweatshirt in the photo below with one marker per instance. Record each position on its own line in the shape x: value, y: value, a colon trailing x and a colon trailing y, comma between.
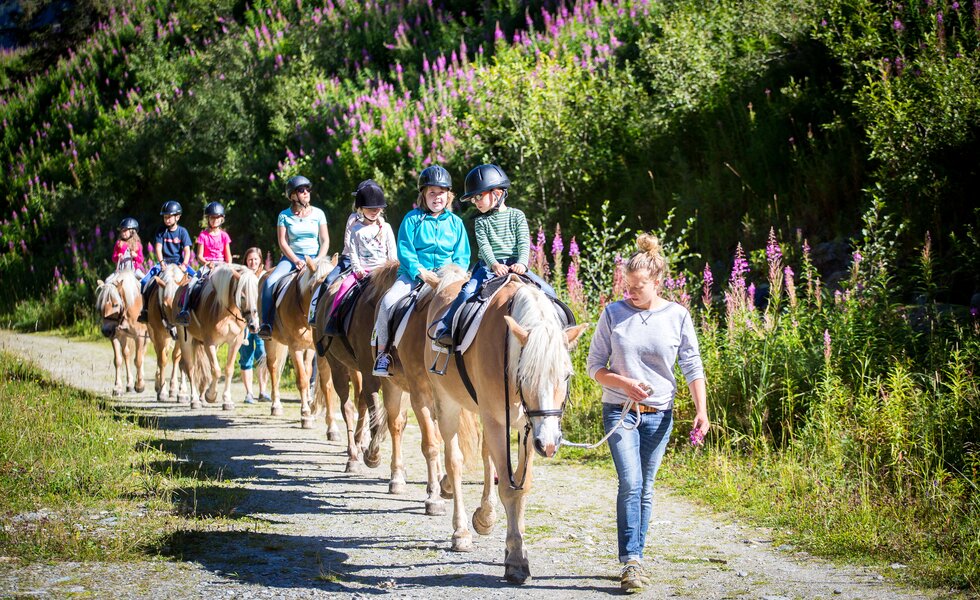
x: 644, y: 345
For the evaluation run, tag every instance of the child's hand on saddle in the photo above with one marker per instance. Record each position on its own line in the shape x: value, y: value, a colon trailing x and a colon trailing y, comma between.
x: 359, y: 275
x: 300, y: 265
x: 500, y: 269
x: 519, y: 268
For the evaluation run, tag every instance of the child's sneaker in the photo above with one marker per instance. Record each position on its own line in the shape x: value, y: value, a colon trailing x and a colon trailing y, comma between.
x: 381, y: 365
x: 249, y: 399
x: 143, y: 317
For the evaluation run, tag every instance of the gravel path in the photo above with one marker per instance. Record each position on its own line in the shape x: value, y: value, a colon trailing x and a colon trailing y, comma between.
x: 315, y: 531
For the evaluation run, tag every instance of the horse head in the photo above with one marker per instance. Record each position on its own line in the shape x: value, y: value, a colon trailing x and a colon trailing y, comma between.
x: 116, y: 301
x: 170, y: 278
x: 245, y: 295
x: 540, y: 364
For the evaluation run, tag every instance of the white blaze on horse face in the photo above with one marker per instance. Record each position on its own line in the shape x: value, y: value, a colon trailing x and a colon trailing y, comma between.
x: 547, y: 430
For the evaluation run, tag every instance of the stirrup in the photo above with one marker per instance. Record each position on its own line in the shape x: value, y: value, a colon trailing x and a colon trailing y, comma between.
x: 440, y: 351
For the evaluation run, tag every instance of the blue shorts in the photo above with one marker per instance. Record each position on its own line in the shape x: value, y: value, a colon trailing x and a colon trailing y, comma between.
x: 251, y: 352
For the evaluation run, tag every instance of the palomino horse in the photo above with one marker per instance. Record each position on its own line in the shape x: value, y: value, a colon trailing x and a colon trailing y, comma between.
x: 227, y: 307
x: 351, y: 359
x: 291, y: 330
x: 158, y: 305
x: 119, y: 302
x: 519, y: 366
x: 408, y: 373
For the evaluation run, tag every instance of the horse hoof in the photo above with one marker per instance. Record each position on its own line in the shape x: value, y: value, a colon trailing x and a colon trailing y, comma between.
x: 306, y: 422
x: 517, y: 575
x: 397, y: 488
x: 211, y: 398
x: 277, y: 411
x: 484, y: 524
x: 228, y: 406
x: 116, y: 392
x: 435, y: 508
x: 129, y: 389
x: 372, y: 461
x: 185, y: 400
x: 196, y: 403
x: 352, y: 467
x: 333, y: 436
x: 462, y: 542
x: 161, y: 397
x: 139, y: 389
x: 445, y: 490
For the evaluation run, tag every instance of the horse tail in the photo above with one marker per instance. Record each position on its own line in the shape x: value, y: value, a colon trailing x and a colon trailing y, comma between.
x: 200, y: 366
x: 470, y: 437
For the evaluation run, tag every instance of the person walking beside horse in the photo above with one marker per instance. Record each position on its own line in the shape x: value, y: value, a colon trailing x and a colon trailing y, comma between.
x: 636, y: 344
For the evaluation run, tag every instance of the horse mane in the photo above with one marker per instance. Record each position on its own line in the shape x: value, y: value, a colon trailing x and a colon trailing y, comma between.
x: 223, y: 278
x: 545, y: 357
x: 308, y: 278
x: 108, y: 290
x: 382, y: 279
x: 170, y: 274
x: 449, y: 274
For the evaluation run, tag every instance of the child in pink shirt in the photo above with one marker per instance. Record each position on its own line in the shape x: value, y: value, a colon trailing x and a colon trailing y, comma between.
x: 213, y: 249
x: 128, y: 250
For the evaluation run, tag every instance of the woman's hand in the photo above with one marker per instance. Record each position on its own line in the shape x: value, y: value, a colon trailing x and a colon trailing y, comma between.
x: 701, y: 423
x: 300, y: 265
x: 636, y: 390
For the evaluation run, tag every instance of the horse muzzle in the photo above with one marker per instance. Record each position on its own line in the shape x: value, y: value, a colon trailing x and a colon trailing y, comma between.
x: 109, y: 328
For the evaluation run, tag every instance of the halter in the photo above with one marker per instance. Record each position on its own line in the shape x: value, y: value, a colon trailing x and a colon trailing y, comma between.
x: 529, y: 414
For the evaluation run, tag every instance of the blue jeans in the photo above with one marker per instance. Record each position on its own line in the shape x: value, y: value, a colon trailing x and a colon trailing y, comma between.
x: 481, y: 272
x: 268, y: 286
x: 637, y: 454
x: 343, y: 263
x: 156, y: 269
x: 251, y: 351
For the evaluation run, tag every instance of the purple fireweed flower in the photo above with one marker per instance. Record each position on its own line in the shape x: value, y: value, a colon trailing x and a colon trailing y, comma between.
x: 573, y: 248
x: 708, y: 279
x: 557, y: 246
x: 898, y: 26
x: 857, y: 257
x: 773, y: 252
x: 739, y: 268
x: 826, y: 345
x: 697, y: 437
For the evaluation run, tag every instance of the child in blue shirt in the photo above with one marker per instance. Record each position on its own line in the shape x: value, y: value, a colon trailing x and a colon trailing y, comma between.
x: 172, y: 246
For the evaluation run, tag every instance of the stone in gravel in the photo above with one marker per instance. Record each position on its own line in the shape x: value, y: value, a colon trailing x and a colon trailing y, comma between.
x: 785, y: 547
x: 742, y: 574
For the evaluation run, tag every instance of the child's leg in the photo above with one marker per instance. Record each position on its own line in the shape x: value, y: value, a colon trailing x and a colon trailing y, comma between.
x: 480, y: 274
x: 399, y: 289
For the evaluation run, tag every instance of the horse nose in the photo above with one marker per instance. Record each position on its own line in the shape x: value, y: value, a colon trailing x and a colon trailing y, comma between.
x: 544, y: 450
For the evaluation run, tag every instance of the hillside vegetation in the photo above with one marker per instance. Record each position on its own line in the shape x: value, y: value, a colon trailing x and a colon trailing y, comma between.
x: 810, y: 166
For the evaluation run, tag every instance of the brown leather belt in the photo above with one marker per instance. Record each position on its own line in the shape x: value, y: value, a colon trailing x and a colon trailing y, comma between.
x: 646, y: 409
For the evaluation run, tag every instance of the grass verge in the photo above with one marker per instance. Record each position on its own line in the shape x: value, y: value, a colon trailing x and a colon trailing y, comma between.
x: 81, y: 480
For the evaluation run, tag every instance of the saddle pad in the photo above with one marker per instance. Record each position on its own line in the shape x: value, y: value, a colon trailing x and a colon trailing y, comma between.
x: 401, y: 311
x: 279, y: 291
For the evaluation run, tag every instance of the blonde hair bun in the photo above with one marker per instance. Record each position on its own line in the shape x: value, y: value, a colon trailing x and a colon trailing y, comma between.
x: 647, y: 242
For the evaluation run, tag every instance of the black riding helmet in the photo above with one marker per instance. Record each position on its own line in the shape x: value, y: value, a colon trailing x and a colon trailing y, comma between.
x: 369, y: 195
x: 297, y: 181
x: 483, y: 178
x: 171, y: 207
x: 129, y: 223
x: 435, y: 175
x: 214, y: 209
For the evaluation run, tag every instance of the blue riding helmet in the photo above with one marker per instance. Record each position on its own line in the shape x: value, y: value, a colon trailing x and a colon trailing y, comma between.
x: 435, y: 175
x: 129, y: 223
x: 214, y: 209
x: 171, y: 207
x: 297, y: 181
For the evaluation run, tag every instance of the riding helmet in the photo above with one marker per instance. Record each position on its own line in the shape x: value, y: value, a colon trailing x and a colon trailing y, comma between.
x: 369, y: 195
x: 171, y: 207
x: 214, y: 209
x: 129, y: 223
x: 435, y: 175
x: 483, y: 178
x: 297, y: 181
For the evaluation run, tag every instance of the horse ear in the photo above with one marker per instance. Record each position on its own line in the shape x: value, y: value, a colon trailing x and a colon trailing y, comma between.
x: 310, y: 264
x: 101, y: 283
x: 519, y: 332
x: 573, y: 333
x: 429, y: 277
x: 159, y: 281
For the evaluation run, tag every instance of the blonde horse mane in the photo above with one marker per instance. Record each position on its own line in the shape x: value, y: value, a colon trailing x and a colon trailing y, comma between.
x: 109, y: 292
x: 223, y: 278
x: 545, y: 358
x: 382, y: 279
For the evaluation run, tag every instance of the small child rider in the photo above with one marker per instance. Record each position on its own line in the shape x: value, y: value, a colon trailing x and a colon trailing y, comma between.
x: 502, y: 238
x: 369, y: 237
x: 172, y: 245
x: 429, y: 237
x: 127, y: 253
x: 213, y: 248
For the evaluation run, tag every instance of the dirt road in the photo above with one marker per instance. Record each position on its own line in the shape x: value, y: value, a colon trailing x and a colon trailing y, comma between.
x: 314, y: 531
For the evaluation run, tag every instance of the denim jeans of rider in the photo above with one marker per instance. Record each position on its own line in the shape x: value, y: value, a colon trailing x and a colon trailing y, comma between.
x: 283, y: 268
x: 637, y: 449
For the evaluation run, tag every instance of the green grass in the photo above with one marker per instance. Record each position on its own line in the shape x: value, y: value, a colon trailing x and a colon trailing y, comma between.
x: 933, y: 529
x: 82, y: 481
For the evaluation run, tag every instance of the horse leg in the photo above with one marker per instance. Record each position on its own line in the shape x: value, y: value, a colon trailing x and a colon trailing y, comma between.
x: 140, y: 355
x: 129, y: 372
x: 516, y: 568
x: 485, y: 517
x: 117, y: 357
x: 362, y: 431
x: 302, y: 381
x: 226, y: 402
x: 214, y: 370
x: 435, y: 504
x: 341, y: 382
x: 333, y: 405
x: 160, y: 350
x: 397, y: 414
x: 325, y: 387
x: 178, y: 378
x: 462, y: 540
x: 275, y: 355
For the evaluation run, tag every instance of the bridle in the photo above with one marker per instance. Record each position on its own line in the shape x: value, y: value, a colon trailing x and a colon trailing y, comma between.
x: 529, y: 414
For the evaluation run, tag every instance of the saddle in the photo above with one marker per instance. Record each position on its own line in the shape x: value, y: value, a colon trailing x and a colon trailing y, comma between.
x: 467, y: 319
x: 279, y: 292
x: 338, y: 323
x: 400, y: 312
x: 195, y: 289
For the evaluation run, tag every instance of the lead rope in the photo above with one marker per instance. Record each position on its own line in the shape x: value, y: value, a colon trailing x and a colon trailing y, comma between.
x: 630, y: 405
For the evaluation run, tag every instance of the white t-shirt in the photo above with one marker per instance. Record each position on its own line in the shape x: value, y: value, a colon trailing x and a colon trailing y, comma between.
x: 372, y: 245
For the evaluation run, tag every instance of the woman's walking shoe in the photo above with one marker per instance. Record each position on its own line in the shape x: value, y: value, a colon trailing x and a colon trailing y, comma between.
x: 631, y: 579
x: 381, y: 365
